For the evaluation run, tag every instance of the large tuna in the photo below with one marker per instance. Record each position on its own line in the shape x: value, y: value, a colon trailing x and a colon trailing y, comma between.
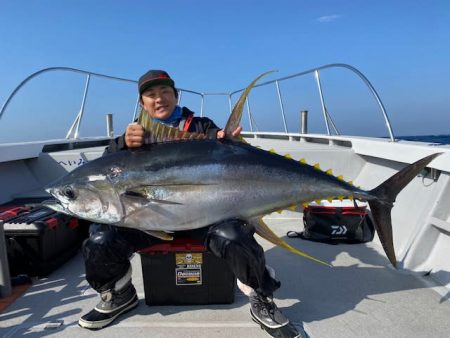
x: 182, y: 182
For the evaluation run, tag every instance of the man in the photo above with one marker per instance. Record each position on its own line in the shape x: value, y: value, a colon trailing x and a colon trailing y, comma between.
x: 108, y: 250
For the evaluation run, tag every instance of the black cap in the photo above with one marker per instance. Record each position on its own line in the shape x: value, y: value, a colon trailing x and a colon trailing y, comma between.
x: 154, y: 77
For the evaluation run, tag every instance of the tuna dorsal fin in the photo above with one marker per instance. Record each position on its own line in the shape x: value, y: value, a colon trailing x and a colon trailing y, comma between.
x: 264, y: 231
x: 157, y: 132
x: 235, y: 118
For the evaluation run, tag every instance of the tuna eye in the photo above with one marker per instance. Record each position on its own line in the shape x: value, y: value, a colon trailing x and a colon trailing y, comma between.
x: 68, y: 192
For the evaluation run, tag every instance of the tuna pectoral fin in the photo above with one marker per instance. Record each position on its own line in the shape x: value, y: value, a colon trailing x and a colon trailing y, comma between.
x: 159, y: 234
x: 385, y: 195
x: 264, y: 231
x: 144, y: 198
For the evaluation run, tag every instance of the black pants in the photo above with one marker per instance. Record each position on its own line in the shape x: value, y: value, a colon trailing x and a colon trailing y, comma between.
x: 108, y: 250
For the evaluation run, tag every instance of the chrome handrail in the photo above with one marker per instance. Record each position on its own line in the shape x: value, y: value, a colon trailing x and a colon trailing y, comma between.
x: 5, y: 279
x: 74, y: 129
x: 50, y: 69
x: 333, y: 65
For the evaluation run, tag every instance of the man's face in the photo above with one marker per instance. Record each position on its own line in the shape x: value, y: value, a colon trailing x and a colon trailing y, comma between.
x: 159, y: 101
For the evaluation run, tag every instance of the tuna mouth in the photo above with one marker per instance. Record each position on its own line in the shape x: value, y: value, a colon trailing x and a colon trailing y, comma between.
x: 55, y: 205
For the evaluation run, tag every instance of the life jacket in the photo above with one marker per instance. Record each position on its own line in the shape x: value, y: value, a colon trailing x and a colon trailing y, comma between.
x: 185, y: 123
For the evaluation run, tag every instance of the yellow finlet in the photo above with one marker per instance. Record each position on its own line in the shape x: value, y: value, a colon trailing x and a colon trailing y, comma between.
x: 305, y: 205
x: 350, y: 182
x: 340, y: 198
x: 330, y: 199
x: 293, y: 207
x: 302, y: 161
x: 340, y: 178
x: 272, y: 151
x: 317, y: 166
x: 329, y: 172
x: 317, y: 201
x: 288, y: 156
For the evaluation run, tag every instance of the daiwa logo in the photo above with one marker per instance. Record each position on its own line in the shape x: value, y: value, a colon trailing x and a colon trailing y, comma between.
x: 339, y: 230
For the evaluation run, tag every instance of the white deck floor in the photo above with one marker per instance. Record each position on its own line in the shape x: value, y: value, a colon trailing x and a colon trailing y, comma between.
x: 361, y: 296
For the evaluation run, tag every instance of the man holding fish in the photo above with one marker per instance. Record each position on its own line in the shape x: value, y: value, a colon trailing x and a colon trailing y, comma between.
x: 191, y: 178
x: 109, y: 248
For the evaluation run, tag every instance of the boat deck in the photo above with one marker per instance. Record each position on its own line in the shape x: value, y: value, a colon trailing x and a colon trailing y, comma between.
x: 361, y: 296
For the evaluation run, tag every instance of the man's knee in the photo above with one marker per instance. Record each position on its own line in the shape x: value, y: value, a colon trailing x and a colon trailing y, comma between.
x: 228, y: 234
x: 104, y: 241
x: 99, y: 236
x: 233, y: 230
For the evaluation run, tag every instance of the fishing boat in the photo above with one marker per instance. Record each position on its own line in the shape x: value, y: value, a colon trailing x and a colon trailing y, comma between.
x: 362, y: 295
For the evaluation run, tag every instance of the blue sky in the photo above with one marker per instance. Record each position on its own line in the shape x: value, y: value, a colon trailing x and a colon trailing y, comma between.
x: 403, y: 47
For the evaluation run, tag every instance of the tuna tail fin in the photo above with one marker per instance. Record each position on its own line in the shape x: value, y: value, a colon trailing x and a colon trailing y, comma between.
x: 235, y: 118
x: 383, y: 202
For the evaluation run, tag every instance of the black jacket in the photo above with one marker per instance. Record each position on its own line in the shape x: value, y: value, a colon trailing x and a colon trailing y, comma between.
x: 199, y: 125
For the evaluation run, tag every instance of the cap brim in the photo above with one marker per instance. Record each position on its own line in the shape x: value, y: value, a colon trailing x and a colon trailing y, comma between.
x: 156, y: 82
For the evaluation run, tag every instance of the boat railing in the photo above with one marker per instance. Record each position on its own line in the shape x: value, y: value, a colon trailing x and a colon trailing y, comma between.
x: 326, y: 115
x: 74, y: 130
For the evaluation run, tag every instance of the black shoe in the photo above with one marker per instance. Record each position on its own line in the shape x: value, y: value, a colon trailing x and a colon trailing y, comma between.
x: 112, y: 305
x: 265, y: 311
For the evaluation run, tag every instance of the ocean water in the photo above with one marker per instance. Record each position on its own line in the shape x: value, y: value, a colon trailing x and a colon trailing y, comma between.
x: 440, y: 139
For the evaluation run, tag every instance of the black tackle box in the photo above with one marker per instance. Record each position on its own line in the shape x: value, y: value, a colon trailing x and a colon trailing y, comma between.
x: 38, y: 240
x: 183, y: 272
